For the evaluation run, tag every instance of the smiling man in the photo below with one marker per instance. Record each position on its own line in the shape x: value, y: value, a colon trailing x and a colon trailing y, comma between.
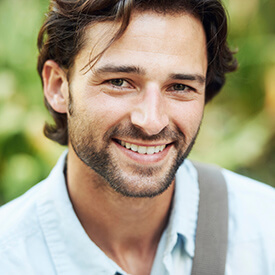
x: 126, y: 83
x: 143, y: 85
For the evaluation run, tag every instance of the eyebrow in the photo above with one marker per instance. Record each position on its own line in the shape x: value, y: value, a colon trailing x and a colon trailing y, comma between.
x: 193, y: 77
x: 119, y: 69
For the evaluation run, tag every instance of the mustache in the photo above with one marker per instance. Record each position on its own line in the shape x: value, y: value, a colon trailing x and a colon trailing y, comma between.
x: 131, y: 131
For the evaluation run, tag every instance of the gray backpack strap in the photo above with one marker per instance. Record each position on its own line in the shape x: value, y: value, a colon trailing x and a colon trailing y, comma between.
x: 212, y: 226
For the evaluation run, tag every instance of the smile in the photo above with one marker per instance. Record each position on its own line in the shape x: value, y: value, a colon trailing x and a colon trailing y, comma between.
x: 149, y: 150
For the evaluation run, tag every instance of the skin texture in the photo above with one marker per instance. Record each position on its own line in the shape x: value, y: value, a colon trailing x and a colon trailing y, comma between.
x: 147, y: 89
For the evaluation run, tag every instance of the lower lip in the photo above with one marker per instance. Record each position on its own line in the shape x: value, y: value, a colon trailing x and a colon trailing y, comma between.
x: 144, y: 158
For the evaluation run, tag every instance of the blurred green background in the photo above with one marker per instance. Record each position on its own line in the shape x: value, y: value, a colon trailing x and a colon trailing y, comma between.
x: 238, y: 131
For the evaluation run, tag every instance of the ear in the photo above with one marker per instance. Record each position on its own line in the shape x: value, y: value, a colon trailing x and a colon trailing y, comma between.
x: 55, y: 86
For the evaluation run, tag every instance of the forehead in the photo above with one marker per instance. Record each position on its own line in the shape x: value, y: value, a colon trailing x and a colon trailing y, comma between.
x: 149, y: 34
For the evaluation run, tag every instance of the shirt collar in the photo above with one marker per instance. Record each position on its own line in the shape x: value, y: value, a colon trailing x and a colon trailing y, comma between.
x: 184, y: 213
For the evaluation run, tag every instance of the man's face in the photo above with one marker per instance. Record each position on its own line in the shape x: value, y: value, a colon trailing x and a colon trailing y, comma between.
x: 135, y: 115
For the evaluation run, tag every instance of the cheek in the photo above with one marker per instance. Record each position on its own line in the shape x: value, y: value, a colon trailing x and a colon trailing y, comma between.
x: 187, y: 116
x: 105, y: 111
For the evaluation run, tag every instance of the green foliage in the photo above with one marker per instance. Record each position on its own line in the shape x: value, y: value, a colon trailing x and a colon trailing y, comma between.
x: 26, y: 156
x: 238, y: 131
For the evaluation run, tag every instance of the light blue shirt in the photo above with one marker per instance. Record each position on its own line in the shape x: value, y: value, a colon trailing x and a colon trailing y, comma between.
x: 41, y: 234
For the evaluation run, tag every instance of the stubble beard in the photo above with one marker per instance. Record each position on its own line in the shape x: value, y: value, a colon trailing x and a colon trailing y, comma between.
x: 141, y: 183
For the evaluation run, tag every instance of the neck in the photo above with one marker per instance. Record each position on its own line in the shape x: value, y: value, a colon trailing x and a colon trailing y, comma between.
x: 124, y: 228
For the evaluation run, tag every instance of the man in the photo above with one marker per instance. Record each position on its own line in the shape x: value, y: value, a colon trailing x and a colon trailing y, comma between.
x: 126, y: 83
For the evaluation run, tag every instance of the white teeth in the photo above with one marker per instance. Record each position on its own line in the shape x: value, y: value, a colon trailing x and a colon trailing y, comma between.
x: 134, y: 147
x: 142, y: 149
x: 127, y: 145
x: 157, y: 149
x: 149, y: 150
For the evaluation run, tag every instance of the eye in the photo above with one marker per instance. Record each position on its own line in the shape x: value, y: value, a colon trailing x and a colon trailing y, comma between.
x: 179, y: 91
x: 118, y: 86
x: 117, y: 82
x: 180, y: 87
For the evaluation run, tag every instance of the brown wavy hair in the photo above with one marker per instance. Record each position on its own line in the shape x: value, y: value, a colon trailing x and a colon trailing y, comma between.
x: 61, y: 37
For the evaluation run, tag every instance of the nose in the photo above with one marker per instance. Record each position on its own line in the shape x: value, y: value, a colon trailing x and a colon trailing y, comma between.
x: 149, y: 114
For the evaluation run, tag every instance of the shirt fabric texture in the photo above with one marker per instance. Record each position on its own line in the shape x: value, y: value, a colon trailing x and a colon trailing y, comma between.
x: 41, y: 234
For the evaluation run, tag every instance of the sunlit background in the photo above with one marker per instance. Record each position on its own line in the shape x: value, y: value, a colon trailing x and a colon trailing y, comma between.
x: 239, y: 125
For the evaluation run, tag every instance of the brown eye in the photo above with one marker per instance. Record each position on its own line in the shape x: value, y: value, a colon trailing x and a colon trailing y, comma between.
x: 117, y: 82
x: 179, y: 87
